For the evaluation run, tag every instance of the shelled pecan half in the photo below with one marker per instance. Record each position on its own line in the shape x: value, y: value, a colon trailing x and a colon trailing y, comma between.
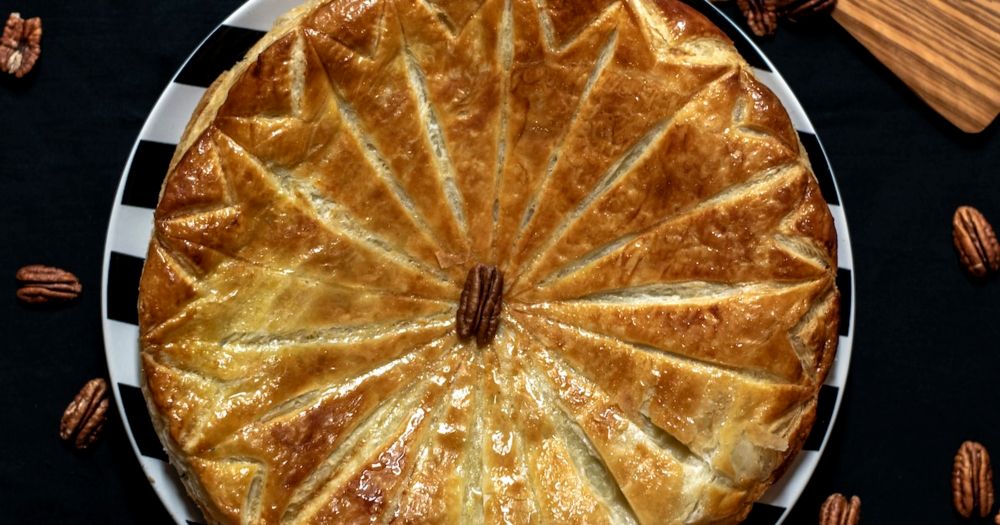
x: 975, y: 241
x: 761, y: 15
x: 838, y: 510
x: 42, y: 284
x: 83, y: 419
x: 480, y: 303
x: 21, y: 45
x: 972, y: 480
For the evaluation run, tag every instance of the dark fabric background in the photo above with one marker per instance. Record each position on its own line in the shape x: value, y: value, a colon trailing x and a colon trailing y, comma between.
x: 924, y: 375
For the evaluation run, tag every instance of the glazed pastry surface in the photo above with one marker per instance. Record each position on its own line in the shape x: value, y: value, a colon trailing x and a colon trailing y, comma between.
x: 669, y: 310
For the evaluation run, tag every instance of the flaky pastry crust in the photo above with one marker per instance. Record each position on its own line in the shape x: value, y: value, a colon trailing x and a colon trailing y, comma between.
x: 670, y: 308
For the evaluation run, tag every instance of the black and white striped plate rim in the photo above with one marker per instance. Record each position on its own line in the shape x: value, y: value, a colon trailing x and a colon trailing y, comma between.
x: 132, y: 219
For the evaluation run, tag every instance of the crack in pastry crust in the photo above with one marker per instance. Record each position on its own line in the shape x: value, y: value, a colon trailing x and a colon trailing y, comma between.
x: 671, y: 310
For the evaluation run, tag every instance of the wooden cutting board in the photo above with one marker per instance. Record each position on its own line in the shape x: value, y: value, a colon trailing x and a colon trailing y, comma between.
x: 947, y: 51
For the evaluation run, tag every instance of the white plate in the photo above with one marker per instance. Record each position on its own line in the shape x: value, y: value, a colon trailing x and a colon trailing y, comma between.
x: 132, y: 220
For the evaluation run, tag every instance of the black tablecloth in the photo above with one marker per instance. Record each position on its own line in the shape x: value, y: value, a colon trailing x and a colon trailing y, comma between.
x: 924, y: 375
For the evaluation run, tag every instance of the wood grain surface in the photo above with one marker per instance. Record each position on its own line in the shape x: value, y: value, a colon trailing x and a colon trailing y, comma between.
x: 947, y: 51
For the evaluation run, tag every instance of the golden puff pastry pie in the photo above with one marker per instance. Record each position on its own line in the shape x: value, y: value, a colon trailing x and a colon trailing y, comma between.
x: 487, y: 261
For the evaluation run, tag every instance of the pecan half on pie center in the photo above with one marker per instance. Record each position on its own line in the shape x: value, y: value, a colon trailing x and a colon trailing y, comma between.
x: 480, y: 303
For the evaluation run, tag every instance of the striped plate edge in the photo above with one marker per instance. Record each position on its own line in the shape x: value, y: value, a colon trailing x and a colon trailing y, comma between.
x: 130, y: 228
x: 131, y: 224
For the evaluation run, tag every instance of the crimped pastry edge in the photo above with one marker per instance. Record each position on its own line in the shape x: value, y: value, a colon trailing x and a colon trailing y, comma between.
x: 204, y: 113
x: 177, y: 459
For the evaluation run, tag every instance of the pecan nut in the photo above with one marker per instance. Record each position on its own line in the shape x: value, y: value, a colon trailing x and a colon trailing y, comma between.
x: 41, y: 284
x: 480, y: 304
x: 796, y: 11
x: 837, y: 510
x: 761, y: 15
x: 975, y: 241
x: 21, y: 45
x: 83, y: 419
x: 972, y: 480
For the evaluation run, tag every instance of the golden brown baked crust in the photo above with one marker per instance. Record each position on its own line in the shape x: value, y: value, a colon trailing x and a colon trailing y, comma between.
x: 670, y: 308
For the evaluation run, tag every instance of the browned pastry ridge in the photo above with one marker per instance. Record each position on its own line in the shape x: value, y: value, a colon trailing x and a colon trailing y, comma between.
x: 669, y: 308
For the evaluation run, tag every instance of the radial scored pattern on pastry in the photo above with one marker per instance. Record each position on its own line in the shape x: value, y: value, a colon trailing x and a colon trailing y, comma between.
x: 669, y: 308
